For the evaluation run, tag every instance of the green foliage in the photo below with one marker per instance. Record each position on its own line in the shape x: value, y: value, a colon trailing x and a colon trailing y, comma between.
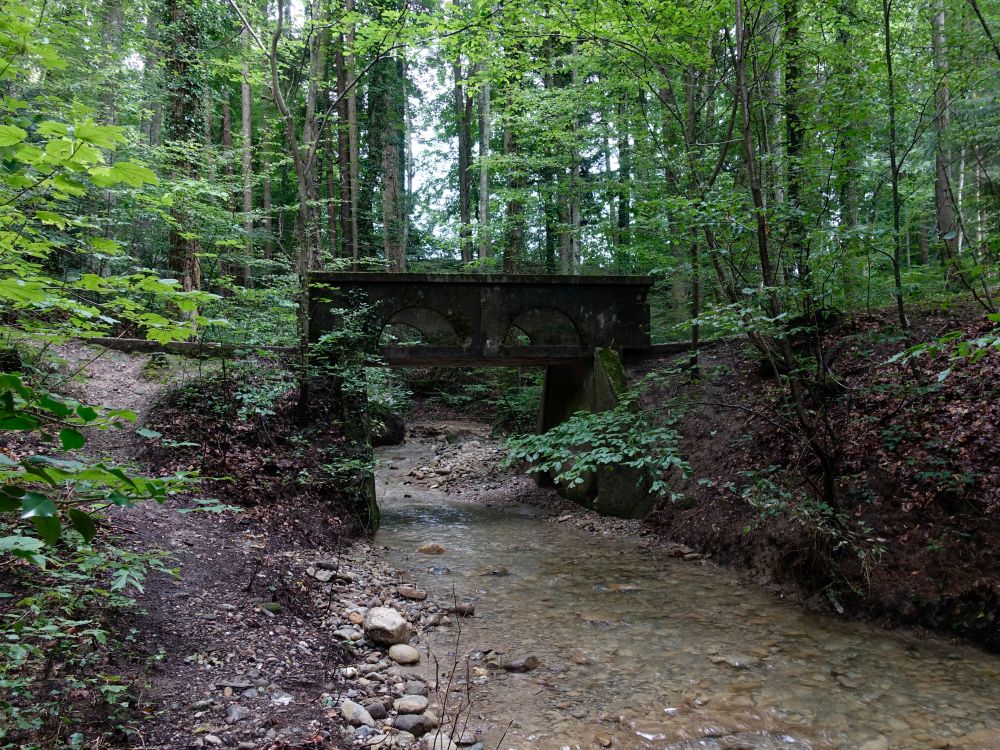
x: 48, y: 490
x: 586, y: 442
x: 56, y: 626
x: 957, y: 346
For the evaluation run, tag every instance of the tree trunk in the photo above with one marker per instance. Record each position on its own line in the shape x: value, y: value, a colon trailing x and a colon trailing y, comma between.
x: 246, y: 135
x: 181, y: 128
x: 894, y: 166
x: 946, y: 227
x: 464, y: 126
x: 514, y: 241
x: 484, y: 171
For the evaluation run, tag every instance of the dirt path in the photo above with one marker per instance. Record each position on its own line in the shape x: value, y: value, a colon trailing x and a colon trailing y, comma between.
x: 233, y: 651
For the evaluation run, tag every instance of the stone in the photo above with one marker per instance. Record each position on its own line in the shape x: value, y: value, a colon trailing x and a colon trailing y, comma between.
x: 415, y: 724
x: 463, y: 609
x: 404, y: 654
x: 879, y: 743
x: 386, y: 626
x: 437, y: 741
x: 355, y: 714
x: 415, y: 687
x: 356, y: 618
x: 345, y: 634
x: 211, y: 739
x: 522, y: 664
x: 273, y: 607
x: 410, y: 704
x: 403, y: 739
x: 410, y: 592
x: 430, y: 548
x: 236, y: 713
x: 736, y: 661
x: 376, y: 709
x: 604, y: 739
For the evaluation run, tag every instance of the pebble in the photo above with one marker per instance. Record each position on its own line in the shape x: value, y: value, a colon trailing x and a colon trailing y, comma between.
x: 404, y: 654
x: 604, y: 739
x: 236, y: 713
x: 409, y: 592
x: 437, y: 741
x: 376, y: 709
x: 211, y: 739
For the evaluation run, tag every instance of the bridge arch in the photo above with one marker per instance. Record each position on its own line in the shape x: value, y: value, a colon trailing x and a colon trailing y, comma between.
x: 545, y: 326
x: 434, y: 326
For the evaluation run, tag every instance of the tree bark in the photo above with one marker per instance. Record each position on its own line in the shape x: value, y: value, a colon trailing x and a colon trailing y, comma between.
x: 485, y: 126
x: 181, y: 128
x: 946, y: 227
x: 246, y: 135
x: 463, y: 113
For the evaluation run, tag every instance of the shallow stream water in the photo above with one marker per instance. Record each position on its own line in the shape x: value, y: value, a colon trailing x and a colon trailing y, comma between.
x: 655, y: 652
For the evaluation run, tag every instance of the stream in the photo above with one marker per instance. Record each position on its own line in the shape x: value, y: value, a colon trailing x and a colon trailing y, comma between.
x: 645, y: 651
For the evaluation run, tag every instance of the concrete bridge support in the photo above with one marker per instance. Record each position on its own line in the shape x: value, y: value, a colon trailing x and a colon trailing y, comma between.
x: 593, y: 385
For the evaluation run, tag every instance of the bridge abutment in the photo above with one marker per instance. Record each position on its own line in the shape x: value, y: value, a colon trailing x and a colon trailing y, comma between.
x: 593, y: 385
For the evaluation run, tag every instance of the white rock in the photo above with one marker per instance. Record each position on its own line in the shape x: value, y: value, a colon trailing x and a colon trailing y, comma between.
x: 356, y: 714
x: 437, y: 741
x: 410, y: 704
x: 385, y: 625
x: 404, y: 654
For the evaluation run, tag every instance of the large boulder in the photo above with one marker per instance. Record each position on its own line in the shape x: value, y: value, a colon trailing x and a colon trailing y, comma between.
x: 386, y: 626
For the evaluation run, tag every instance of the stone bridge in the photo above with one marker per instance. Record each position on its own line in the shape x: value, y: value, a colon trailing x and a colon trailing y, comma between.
x: 476, y: 320
x: 575, y: 326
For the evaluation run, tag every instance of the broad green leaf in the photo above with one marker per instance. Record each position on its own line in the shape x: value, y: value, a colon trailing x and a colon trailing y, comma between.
x: 71, y: 439
x: 35, y: 505
x: 134, y: 174
x: 11, y: 134
x: 48, y: 527
x: 18, y: 542
x: 83, y: 523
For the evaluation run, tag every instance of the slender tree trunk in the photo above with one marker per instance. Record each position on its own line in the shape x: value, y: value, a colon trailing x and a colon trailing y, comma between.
x: 464, y: 127
x: 946, y: 227
x: 514, y: 240
x: 894, y: 166
x: 246, y: 135
x: 332, y: 211
x: 183, y: 260
x: 624, y: 177
x: 484, y: 171
x: 344, y: 157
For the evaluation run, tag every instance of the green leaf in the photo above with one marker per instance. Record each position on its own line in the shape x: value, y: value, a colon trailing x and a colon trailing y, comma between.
x: 35, y: 505
x: 51, y: 218
x: 11, y: 134
x: 18, y: 542
x: 22, y: 422
x: 143, y: 432
x: 71, y: 439
x: 84, y: 523
x: 48, y: 528
x: 134, y: 174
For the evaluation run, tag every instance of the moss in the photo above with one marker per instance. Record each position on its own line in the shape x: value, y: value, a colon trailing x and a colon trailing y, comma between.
x: 611, y: 365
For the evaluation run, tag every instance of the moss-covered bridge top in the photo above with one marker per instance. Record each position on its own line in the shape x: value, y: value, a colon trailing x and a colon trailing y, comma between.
x: 488, y: 319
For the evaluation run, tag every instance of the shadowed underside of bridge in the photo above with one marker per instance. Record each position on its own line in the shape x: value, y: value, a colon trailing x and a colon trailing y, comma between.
x: 574, y: 326
x: 470, y: 320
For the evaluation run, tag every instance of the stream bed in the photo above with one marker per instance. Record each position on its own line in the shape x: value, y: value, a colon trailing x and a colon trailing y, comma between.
x: 645, y: 651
